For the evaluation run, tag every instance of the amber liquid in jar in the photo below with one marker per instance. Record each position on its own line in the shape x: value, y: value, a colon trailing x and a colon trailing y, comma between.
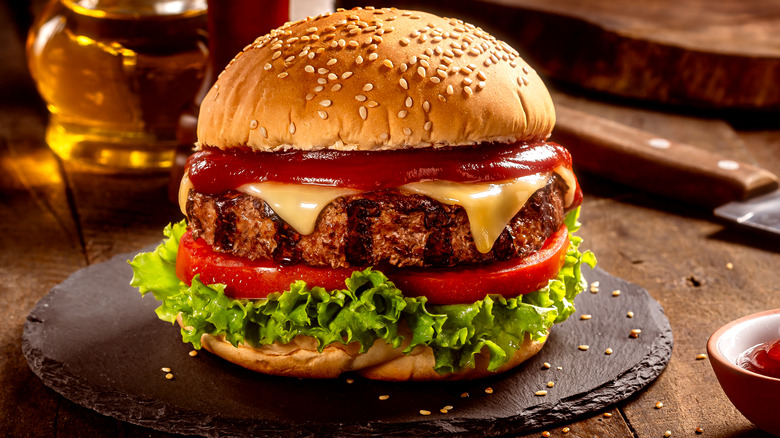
x: 116, y: 75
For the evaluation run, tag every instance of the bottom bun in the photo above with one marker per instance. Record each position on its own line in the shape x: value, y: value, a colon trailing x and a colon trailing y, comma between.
x: 300, y: 358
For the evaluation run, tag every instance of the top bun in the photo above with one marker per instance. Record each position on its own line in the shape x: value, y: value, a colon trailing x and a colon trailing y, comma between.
x: 369, y: 79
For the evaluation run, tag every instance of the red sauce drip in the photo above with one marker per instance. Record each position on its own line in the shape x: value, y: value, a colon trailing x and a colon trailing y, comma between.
x: 215, y: 171
x: 762, y: 359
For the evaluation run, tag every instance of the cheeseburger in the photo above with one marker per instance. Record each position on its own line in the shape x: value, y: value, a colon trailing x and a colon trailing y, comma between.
x: 372, y: 191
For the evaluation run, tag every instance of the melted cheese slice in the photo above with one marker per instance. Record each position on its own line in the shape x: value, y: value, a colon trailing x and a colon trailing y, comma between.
x: 489, y: 206
x: 299, y: 205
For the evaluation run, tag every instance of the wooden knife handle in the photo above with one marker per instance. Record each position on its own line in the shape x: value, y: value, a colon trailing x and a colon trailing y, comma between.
x: 648, y: 162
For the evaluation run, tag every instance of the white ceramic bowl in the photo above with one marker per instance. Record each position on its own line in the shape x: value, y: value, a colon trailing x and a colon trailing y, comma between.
x: 756, y: 396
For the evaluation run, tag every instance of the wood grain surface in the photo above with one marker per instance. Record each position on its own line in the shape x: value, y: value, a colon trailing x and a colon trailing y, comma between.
x: 56, y: 218
x: 721, y: 54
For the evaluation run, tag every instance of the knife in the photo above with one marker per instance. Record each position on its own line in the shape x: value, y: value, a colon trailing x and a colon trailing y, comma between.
x: 738, y: 191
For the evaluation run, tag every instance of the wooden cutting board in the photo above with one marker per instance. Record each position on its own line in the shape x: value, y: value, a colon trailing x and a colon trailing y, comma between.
x: 722, y: 54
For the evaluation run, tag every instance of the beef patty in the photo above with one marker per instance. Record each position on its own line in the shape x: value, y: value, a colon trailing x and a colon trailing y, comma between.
x: 371, y: 229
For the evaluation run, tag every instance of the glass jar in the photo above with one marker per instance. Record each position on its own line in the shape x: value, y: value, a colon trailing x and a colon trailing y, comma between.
x: 116, y: 74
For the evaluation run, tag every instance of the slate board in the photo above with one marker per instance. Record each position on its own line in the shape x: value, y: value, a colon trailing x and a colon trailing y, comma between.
x: 94, y: 340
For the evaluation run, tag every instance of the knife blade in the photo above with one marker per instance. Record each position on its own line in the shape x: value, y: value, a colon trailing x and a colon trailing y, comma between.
x: 739, y: 192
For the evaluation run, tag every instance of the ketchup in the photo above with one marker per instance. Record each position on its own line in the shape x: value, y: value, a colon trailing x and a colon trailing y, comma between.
x: 215, y: 171
x: 762, y: 359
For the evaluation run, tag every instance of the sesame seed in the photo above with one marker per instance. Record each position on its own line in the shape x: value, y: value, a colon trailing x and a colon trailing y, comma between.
x: 354, y: 31
x: 446, y: 60
x: 263, y: 132
x: 584, y: 347
x: 311, y: 55
x: 615, y: 292
x: 426, y: 106
x: 360, y: 98
x: 566, y: 430
x: 311, y: 30
x: 332, y: 61
x: 318, y: 88
x: 292, y: 128
x: 404, y: 41
x: 474, y: 51
x: 450, y: 90
x: 409, y: 102
x: 525, y: 80
x: 701, y: 356
x: 253, y: 124
x: 334, y: 44
x: 346, y: 75
x: 454, y: 69
x: 421, y: 71
x: 282, y: 75
x: 441, y: 73
x: 608, y: 351
x: 729, y: 265
x: 667, y: 434
x: 442, y: 98
x: 467, y: 81
x: 387, y: 63
x: 322, y: 114
x: 635, y: 333
x: 326, y: 103
x: 699, y: 431
x: 480, y: 85
x: 435, y: 79
x: 546, y: 434
x: 541, y: 393
x: 322, y: 70
x: 525, y: 70
x: 585, y: 317
x: 289, y: 58
x: 169, y: 376
x: 424, y: 412
x: 359, y: 59
x: 336, y: 87
x: 607, y: 415
x: 407, y: 131
x: 464, y: 395
x: 165, y: 369
x: 546, y: 365
x: 309, y: 69
x: 267, y: 66
x: 468, y: 90
x: 402, y: 114
x: 630, y: 314
x: 428, y: 125
x: 488, y: 390
x: 372, y: 104
x: 481, y: 75
x: 384, y: 397
x: 457, y: 52
x: 403, y: 67
x: 193, y: 353
x: 368, y: 87
x: 659, y: 405
x: 363, y: 112
x: 372, y: 47
x: 333, y: 76
x: 353, y: 44
x: 550, y: 384
x: 404, y: 84
x: 342, y: 43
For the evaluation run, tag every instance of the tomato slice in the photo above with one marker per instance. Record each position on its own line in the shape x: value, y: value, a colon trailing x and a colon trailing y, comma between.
x: 250, y: 279
x: 468, y: 284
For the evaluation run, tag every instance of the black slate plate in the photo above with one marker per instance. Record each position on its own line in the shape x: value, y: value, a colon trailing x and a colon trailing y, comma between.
x: 94, y: 340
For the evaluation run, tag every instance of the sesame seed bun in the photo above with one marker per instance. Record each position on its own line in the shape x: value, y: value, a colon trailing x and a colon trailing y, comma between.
x: 300, y: 358
x: 368, y: 79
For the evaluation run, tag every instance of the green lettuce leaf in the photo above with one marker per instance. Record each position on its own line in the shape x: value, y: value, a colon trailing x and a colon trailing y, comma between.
x: 370, y: 307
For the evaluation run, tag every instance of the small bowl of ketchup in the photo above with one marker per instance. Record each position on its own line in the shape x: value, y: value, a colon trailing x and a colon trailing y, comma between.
x: 745, y: 355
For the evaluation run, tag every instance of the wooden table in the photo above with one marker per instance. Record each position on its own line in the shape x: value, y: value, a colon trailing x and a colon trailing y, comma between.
x: 56, y: 217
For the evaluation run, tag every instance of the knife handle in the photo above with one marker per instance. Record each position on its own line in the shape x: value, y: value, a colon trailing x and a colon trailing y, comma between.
x: 648, y: 162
